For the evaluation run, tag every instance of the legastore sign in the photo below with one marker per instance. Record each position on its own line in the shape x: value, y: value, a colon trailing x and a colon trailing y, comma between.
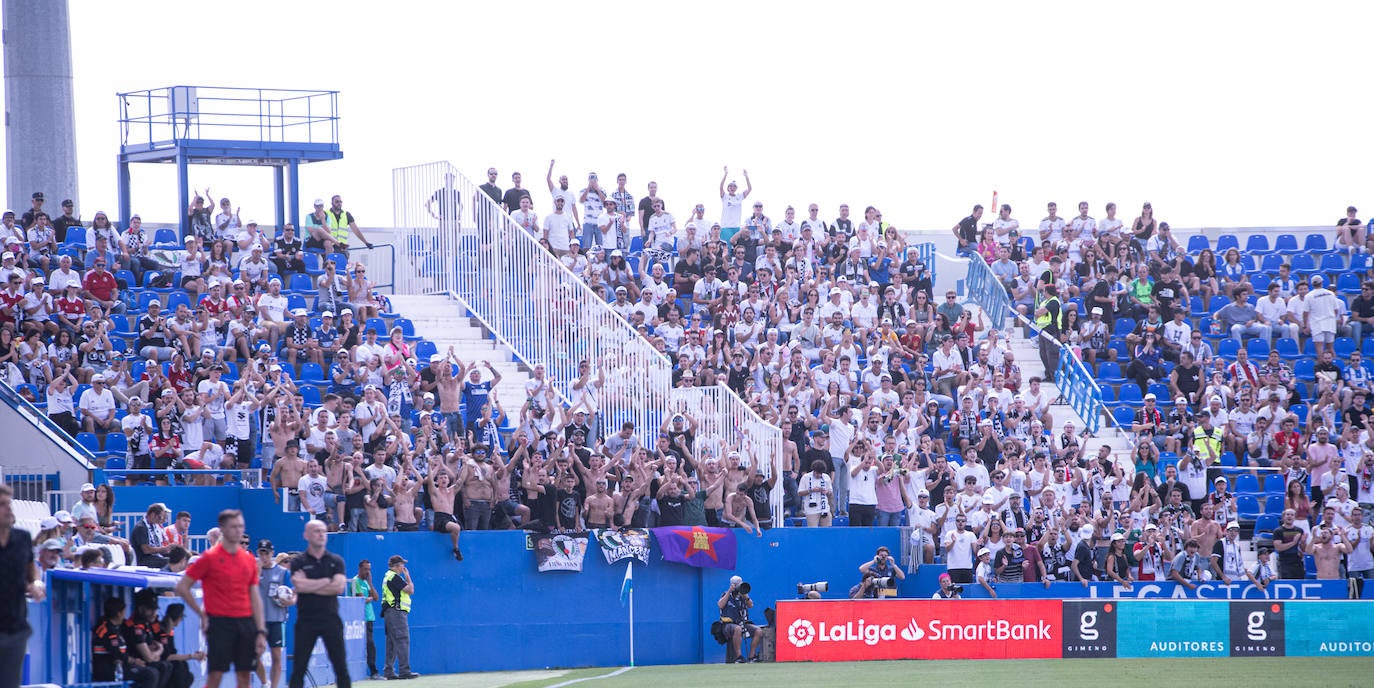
x: 824, y: 631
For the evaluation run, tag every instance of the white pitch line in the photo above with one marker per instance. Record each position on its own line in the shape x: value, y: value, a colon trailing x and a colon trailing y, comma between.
x: 617, y: 672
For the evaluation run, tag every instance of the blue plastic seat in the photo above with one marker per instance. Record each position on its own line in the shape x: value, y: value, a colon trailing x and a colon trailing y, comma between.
x: 1257, y: 244
x: 90, y: 441
x: 302, y: 284
x: 312, y: 264
x: 1161, y: 392
x: 1247, y: 507
x: 1285, y: 243
x: 312, y: 372
x: 407, y: 329
x: 1273, y: 485
x: 115, y: 463
x: 1227, y: 460
x: 294, y: 301
x: 1274, y: 505
x: 1131, y: 395
x: 1332, y: 263
x: 1315, y: 243
x: 1197, y: 243
x: 1124, y: 417
x: 1109, y: 372
x: 1305, y: 369
x: 1270, y: 263
x: 1122, y: 327
x: 1258, y: 348
x: 1195, y: 307
x: 116, y: 444
x: 76, y: 236
x: 179, y: 298
x: 1348, y: 283
x: 310, y: 395
x: 1266, y: 523
x: 1226, y: 242
x: 377, y: 324
x: 1287, y: 348
x: 1302, y: 263
x: 1260, y: 282
x: 1343, y: 346
x: 1247, y: 484
x: 1227, y: 348
x: 424, y: 349
x: 166, y: 240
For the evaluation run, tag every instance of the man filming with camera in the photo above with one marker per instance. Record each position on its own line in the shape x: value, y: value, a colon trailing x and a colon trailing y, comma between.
x: 880, y: 576
x: 734, y: 614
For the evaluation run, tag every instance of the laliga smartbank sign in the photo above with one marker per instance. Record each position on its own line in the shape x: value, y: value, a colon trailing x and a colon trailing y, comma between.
x: 825, y: 631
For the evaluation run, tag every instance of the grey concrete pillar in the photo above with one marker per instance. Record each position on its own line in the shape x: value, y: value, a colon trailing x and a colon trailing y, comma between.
x: 40, y: 116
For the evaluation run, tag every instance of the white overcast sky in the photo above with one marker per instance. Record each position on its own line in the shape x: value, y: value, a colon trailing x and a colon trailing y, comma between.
x: 1222, y: 114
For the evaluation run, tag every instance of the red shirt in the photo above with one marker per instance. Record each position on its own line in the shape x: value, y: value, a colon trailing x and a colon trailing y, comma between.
x: 179, y: 379
x: 226, y: 580
x: 10, y: 304
x: 101, y: 284
x: 75, y: 308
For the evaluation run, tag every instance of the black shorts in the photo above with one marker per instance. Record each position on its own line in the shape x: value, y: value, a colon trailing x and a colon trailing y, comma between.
x: 441, y: 521
x: 407, y: 527
x: 187, y: 279
x: 231, y: 642
x: 276, y: 634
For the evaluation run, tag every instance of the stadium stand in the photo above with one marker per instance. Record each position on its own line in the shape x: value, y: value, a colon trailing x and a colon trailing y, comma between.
x: 831, y: 330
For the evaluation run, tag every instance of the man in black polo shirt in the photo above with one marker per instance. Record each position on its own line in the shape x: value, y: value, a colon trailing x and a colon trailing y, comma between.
x: 966, y: 232
x: 319, y: 578
x: 18, y: 577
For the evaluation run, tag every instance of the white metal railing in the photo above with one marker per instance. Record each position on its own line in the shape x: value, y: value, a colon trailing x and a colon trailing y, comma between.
x: 458, y: 241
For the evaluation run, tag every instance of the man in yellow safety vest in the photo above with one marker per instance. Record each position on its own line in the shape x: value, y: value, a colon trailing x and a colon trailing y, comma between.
x: 397, y: 587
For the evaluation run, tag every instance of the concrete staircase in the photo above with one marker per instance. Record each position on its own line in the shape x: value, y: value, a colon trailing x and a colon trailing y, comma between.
x: 445, y: 322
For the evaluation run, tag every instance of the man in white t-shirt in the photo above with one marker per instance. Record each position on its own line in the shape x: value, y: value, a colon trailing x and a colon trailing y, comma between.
x: 272, y: 311
x: 97, y: 406
x: 662, y: 228
x: 1360, y: 536
x: 558, y: 227
x: 1324, y: 311
x: 958, y: 545
x: 562, y: 191
x: 214, y: 393
x: 732, y: 204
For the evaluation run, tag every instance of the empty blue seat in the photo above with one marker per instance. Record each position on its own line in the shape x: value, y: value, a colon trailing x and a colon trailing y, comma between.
x: 310, y: 395
x: 1343, y: 346
x: 294, y: 301
x: 88, y: 440
x: 1266, y: 523
x: 1247, y: 484
x: 1122, y: 327
x: 1227, y: 460
x: 179, y: 298
x: 1109, y: 372
x: 1348, y: 283
x: 1124, y: 417
x: 377, y: 324
x: 76, y: 236
x: 424, y: 349
x: 1257, y: 244
x: 302, y: 284
x: 1260, y: 282
x: 1273, y: 485
x: 1247, y: 507
x: 312, y: 264
x: 407, y: 329
x: 1333, y: 263
x: 1270, y: 263
x: 1273, y: 505
x: 1302, y: 263
x: 311, y: 372
x: 1285, y: 243
x: 1195, y: 307
x: 1226, y: 242
x: 1228, y: 348
x: 116, y: 444
x: 1258, y: 348
x: 115, y: 463
x: 1315, y: 243
x: 1131, y: 395
x: 1305, y: 369
x: 1197, y: 243
x: 1161, y: 392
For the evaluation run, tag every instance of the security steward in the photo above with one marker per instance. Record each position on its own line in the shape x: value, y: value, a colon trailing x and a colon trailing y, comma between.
x: 319, y: 578
x: 1049, y: 319
x: 734, y: 614
x: 397, y: 587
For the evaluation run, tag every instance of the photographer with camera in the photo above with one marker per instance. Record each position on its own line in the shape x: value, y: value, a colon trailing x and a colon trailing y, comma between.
x: 880, y: 576
x: 949, y: 590
x: 734, y: 606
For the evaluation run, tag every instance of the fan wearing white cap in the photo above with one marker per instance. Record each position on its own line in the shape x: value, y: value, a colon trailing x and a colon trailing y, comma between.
x: 98, y: 407
x: 1227, y: 557
x: 272, y: 313
x: 984, y: 573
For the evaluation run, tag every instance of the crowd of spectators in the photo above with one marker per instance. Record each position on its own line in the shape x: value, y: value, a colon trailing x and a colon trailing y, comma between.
x: 830, y: 329
x: 897, y: 405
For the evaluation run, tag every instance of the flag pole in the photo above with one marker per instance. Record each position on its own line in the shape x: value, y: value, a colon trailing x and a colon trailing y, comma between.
x: 632, y: 626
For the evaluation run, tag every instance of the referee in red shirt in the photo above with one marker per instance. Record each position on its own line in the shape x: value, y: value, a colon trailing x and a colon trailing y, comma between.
x: 232, y: 618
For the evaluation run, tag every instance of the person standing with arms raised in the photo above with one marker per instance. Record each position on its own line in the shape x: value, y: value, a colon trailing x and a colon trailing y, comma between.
x: 319, y: 578
x: 232, y: 618
x: 397, y: 587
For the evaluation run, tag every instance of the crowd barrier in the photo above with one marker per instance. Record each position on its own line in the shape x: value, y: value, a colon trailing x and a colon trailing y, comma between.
x: 987, y: 291
x: 834, y: 631
x: 1079, y: 389
x: 463, y: 244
